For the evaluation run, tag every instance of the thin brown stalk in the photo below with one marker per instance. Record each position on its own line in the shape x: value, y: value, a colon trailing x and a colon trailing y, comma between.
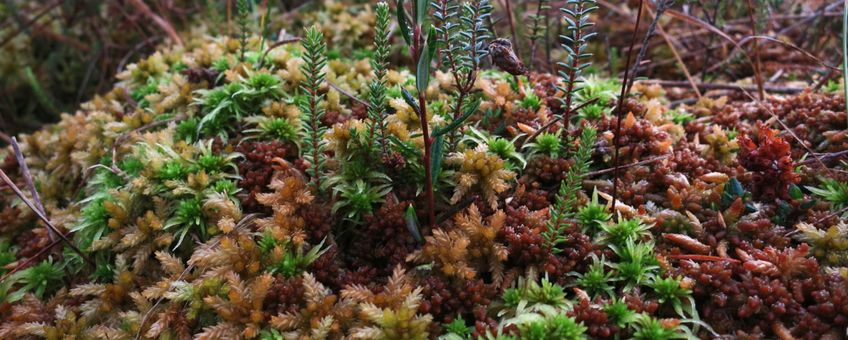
x: 642, y: 162
x: 19, y: 156
x: 618, y: 107
x: 514, y: 39
x: 754, y: 38
x: 758, y: 76
x: 31, y: 259
x: 553, y: 121
x: 43, y: 218
x: 30, y: 22
x: 677, y: 57
x: 417, y: 49
x: 733, y: 87
x: 275, y: 45
x: 348, y: 94
x: 158, y: 20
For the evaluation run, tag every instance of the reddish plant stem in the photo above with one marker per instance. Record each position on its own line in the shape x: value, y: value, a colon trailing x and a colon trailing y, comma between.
x: 314, y: 123
x: 618, y: 108
x: 417, y: 49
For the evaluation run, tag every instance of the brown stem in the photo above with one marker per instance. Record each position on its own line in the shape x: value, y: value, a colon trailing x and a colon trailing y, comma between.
x: 711, y: 86
x: 508, y: 8
x: 428, y: 175
x: 275, y: 45
x: 313, y: 105
x: 30, y: 260
x: 418, y: 48
x: 679, y: 59
x: 618, y: 108
x: 553, y: 121
x: 758, y: 63
x: 162, y: 23
x: 43, y: 217
x: 19, y: 156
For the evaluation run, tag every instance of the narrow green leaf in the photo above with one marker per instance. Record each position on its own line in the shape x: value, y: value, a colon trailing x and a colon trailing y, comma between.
x: 407, y: 97
x: 403, y: 23
x: 420, y: 11
x: 432, y: 43
x: 437, y: 153
x: 412, y: 223
x: 457, y: 122
x: 422, y: 72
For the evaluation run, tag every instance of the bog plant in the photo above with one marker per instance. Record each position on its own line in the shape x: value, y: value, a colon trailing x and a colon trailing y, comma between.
x: 229, y: 189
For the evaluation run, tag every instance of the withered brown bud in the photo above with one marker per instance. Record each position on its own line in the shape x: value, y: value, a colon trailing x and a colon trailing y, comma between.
x: 504, y: 57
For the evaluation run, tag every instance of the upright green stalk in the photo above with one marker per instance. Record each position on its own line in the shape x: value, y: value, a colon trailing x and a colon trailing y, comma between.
x: 377, y: 87
x: 538, y: 28
x: 577, y: 60
x: 243, y: 7
x: 315, y: 59
x: 566, y: 199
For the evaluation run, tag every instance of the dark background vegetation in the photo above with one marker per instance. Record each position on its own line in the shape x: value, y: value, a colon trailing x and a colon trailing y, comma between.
x: 56, y: 54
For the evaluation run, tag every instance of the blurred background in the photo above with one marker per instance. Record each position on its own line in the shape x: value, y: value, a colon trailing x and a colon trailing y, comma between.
x: 56, y: 54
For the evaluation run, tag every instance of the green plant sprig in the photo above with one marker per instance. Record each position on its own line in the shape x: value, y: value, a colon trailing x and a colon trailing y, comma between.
x: 576, y: 15
x: 377, y: 87
x: 243, y: 7
x: 566, y: 199
x: 538, y: 28
x: 313, y: 140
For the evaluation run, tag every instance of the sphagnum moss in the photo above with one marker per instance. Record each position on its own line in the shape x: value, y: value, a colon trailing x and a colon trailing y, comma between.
x: 231, y: 190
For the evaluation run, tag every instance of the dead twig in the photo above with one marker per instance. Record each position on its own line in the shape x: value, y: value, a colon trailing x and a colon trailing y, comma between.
x: 24, y: 26
x: 831, y: 215
x: 680, y: 62
x: 642, y: 162
x: 275, y: 45
x: 754, y: 39
x: 43, y: 218
x: 30, y: 260
x: 553, y: 121
x: 19, y: 156
x: 710, y: 86
x: 159, y: 21
x: 348, y: 94
x: 825, y: 157
x: 620, y: 104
